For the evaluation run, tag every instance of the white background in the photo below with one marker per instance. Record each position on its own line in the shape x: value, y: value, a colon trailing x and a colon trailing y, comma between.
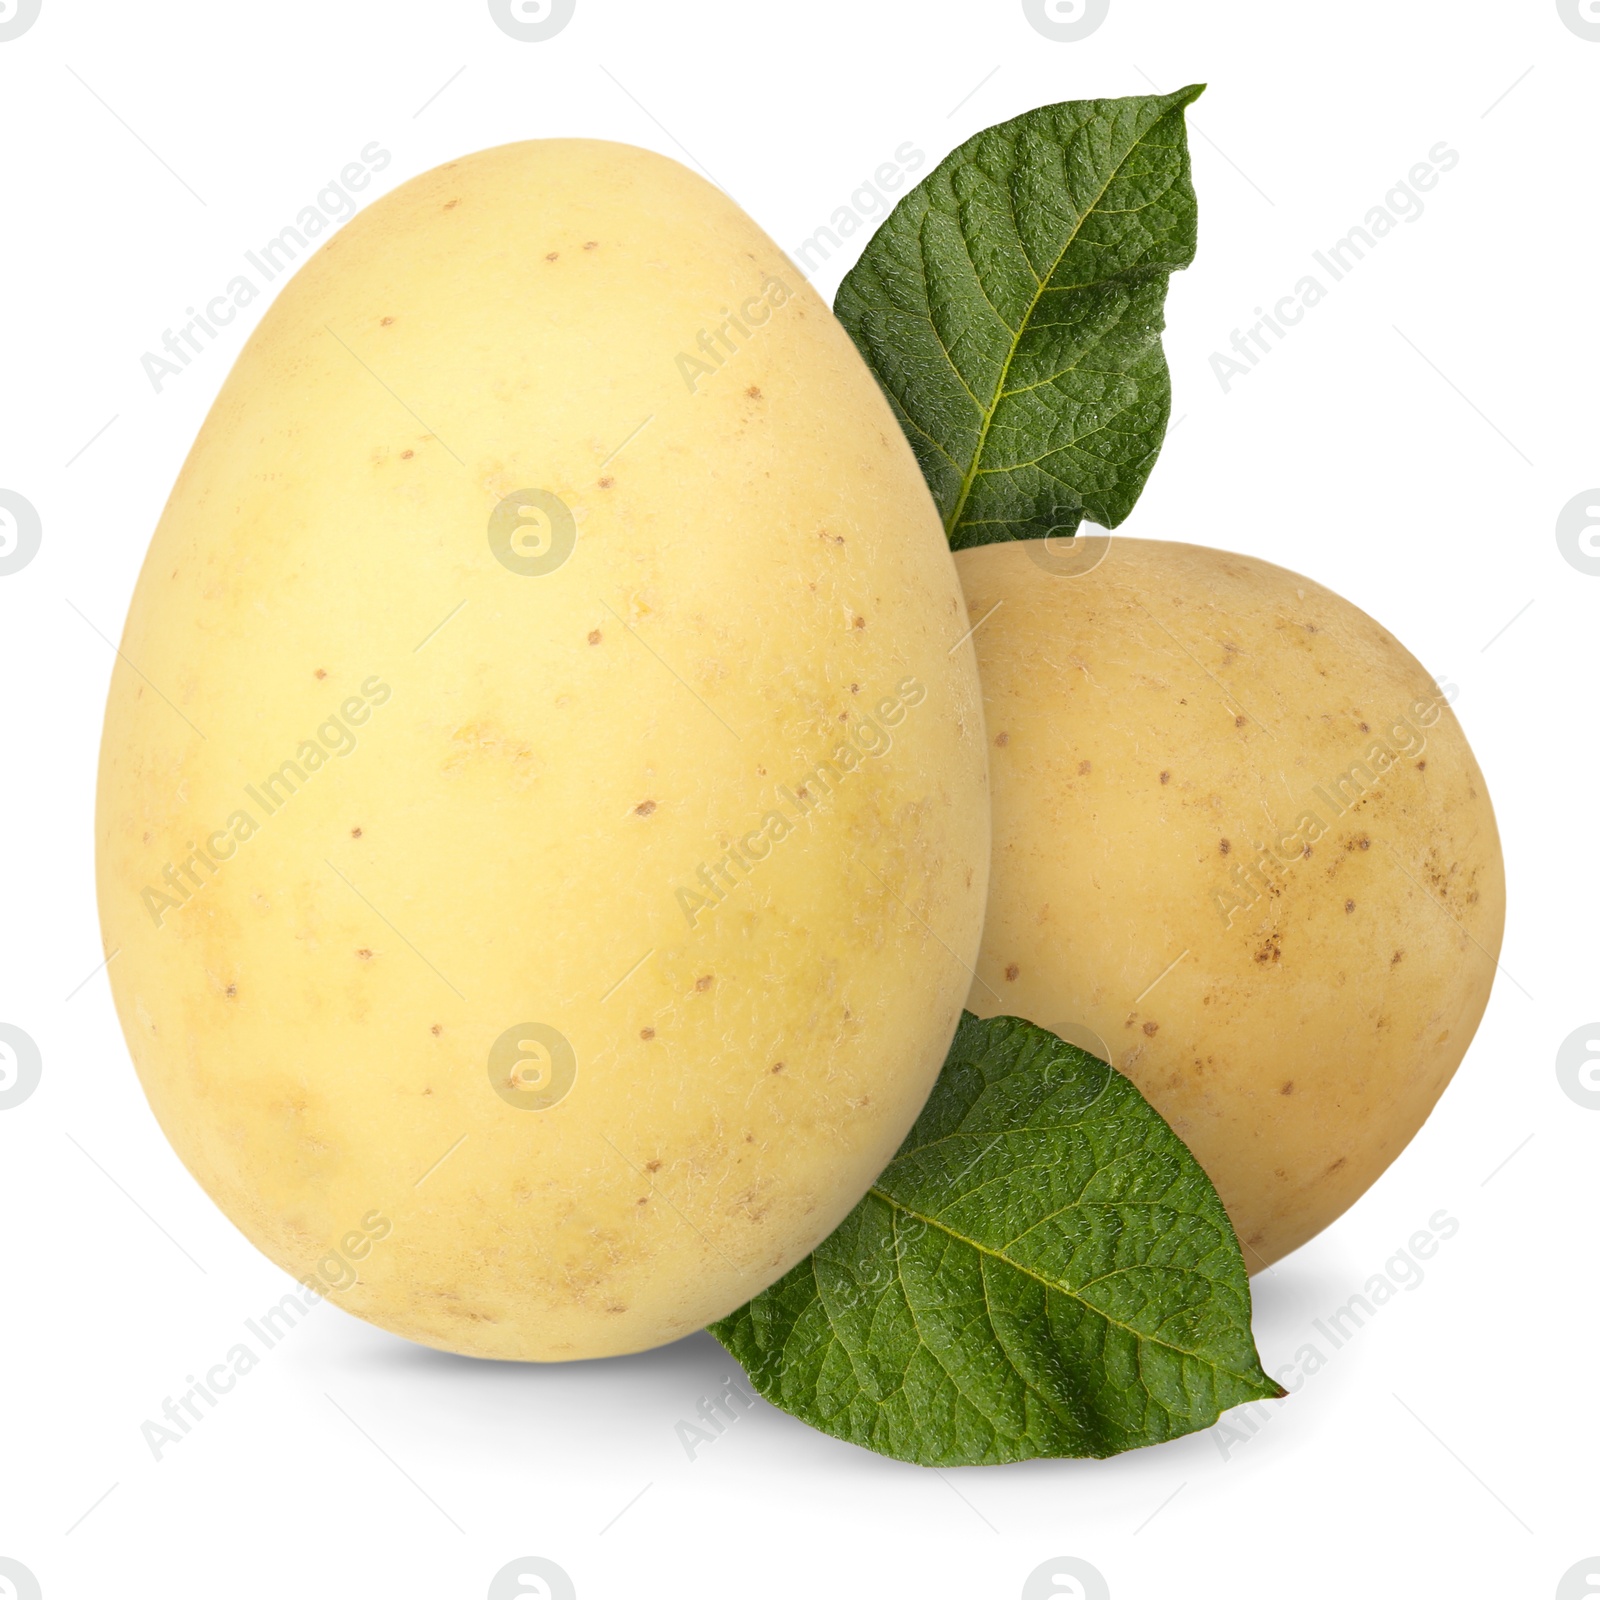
x: 1410, y: 444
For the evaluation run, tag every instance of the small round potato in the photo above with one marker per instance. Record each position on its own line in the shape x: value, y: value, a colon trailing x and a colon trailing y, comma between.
x: 1242, y: 849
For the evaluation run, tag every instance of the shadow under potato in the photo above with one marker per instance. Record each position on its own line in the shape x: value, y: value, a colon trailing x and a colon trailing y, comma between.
x: 697, y: 1358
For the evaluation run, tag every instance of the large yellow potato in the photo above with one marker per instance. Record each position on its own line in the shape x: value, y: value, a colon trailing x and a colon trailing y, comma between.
x: 543, y: 824
x: 1241, y: 849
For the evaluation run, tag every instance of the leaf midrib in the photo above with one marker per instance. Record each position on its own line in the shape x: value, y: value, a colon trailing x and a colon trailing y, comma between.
x: 1055, y: 1288
x: 970, y: 476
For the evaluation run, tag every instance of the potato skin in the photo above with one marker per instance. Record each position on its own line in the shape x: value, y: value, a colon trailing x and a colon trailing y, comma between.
x: 1295, y: 1011
x: 557, y: 805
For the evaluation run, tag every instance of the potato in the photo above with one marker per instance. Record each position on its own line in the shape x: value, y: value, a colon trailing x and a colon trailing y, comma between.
x: 1242, y: 851
x: 543, y: 822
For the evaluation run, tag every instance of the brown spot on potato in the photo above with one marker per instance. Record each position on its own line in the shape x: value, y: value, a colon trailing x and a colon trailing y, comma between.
x: 702, y: 984
x: 591, y: 244
x: 644, y: 808
x: 1397, y: 958
x: 231, y: 991
x: 647, y: 1033
x: 1334, y: 1168
x: 406, y: 455
x: 1349, y: 906
x: 606, y: 483
x: 1151, y: 1028
x: 1013, y: 972
x: 595, y: 636
x: 319, y: 673
x: 1002, y: 739
x: 753, y: 392
x: 355, y: 833
x: 1224, y: 846
x: 1422, y: 766
x: 1240, y: 721
x: 652, y: 1166
x: 365, y: 955
x: 1288, y: 1088
x: 553, y: 255
x: 450, y: 205
x: 385, y: 322
x: 777, y: 1066
x: 1083, y: 769
x: 860, y: 622
x: 1166, y: 777
x: 436, y: 1030
x: 1270, y: 951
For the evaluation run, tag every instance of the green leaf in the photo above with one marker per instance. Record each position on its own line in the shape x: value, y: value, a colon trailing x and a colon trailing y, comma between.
x: 1042, y: 1270
x: 1011, y: 307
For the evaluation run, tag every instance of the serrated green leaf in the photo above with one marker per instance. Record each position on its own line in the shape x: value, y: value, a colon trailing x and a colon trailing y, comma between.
x: 1042, y: 1270
x: 1011, y: 308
